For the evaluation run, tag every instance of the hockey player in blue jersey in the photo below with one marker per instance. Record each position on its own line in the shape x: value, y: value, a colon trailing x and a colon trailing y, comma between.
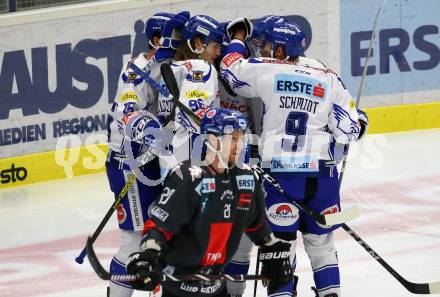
x: 307, y: 110
x: 135, y: 98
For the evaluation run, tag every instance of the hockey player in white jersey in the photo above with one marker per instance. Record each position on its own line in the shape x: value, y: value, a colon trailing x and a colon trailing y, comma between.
x: 197, y: 80
x: 253, y: 109
x: 134, y: 97
x: 306, y: 108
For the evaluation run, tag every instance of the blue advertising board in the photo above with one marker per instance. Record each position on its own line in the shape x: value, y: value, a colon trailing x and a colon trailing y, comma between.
x: 406, y: 51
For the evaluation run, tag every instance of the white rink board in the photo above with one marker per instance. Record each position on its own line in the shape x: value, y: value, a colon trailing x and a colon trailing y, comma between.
x: 63, y: 63
x: 81, y: 57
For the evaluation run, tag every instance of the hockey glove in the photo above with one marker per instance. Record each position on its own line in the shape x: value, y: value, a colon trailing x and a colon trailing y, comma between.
x: 240, y: 24
x: 363, y: 120
x: 276, y: 264
x: 170, y: 37
x: 143, y: 265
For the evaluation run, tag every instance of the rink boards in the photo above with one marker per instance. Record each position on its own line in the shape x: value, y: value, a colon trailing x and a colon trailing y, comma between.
x: 59, y: 78
x: 80, y: 160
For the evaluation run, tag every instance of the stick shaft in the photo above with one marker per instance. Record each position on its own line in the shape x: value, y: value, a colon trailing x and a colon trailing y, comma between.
x: 80, y: 258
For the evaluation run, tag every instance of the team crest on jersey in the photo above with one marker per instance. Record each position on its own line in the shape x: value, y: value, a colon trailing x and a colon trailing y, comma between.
x: 207, y: 185
x: 283, y: 214
x: 197, y: 76
x: 245, y: 182
x: 121, y: 213
x: 131, y: 78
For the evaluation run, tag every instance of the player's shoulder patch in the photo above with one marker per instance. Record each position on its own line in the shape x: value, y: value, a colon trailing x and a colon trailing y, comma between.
x: 245, y: 182
x: 228, y: 60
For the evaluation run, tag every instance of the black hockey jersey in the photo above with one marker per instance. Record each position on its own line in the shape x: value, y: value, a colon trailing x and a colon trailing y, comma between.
x: 202, y: 218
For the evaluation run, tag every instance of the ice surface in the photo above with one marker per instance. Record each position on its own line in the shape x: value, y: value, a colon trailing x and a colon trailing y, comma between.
x: 395, y: 178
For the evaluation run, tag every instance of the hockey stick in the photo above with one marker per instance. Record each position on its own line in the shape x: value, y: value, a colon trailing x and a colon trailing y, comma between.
x: 324, y: 219
x: 105, y: 275
x: 80, y: 258
x: 416, y: 288
x: 361, y: 85
x: 131, y: 180
x: 158, y: 88
x: 257, y: 271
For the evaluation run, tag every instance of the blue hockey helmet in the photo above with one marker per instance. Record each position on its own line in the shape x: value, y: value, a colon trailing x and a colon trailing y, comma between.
x: 264, y: 23
x: 220, y: 121
x: 204, y: 26
x: 155, y: 25
x: 260, y: 27
x: 226, y: 40
x: 300, y: 36
x: 285, y: 35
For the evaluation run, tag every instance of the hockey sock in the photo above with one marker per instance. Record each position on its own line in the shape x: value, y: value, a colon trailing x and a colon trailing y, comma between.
x: 117, y: 288
x: 235, y: 267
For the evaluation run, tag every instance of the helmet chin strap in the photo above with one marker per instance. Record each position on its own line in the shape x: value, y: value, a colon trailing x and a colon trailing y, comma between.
x: 218, y: 153
x: 195, y: 50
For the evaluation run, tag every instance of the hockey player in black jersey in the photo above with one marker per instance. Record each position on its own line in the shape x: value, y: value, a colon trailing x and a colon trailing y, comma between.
x: 196, y: 223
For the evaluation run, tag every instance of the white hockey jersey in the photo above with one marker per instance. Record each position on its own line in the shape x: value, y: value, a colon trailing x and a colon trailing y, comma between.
x: 198, y: 84
x: 134, y: 94
x: 251, y: 108
x: 306, y: 108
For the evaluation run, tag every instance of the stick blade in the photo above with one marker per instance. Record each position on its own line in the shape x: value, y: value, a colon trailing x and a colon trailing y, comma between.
x: 434, y: 288
x: 170, y: 80
x: 94, y: 262
x: 342, y: 217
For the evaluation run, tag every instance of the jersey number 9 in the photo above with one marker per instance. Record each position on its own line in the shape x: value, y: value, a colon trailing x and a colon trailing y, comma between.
x: 296, y: 125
